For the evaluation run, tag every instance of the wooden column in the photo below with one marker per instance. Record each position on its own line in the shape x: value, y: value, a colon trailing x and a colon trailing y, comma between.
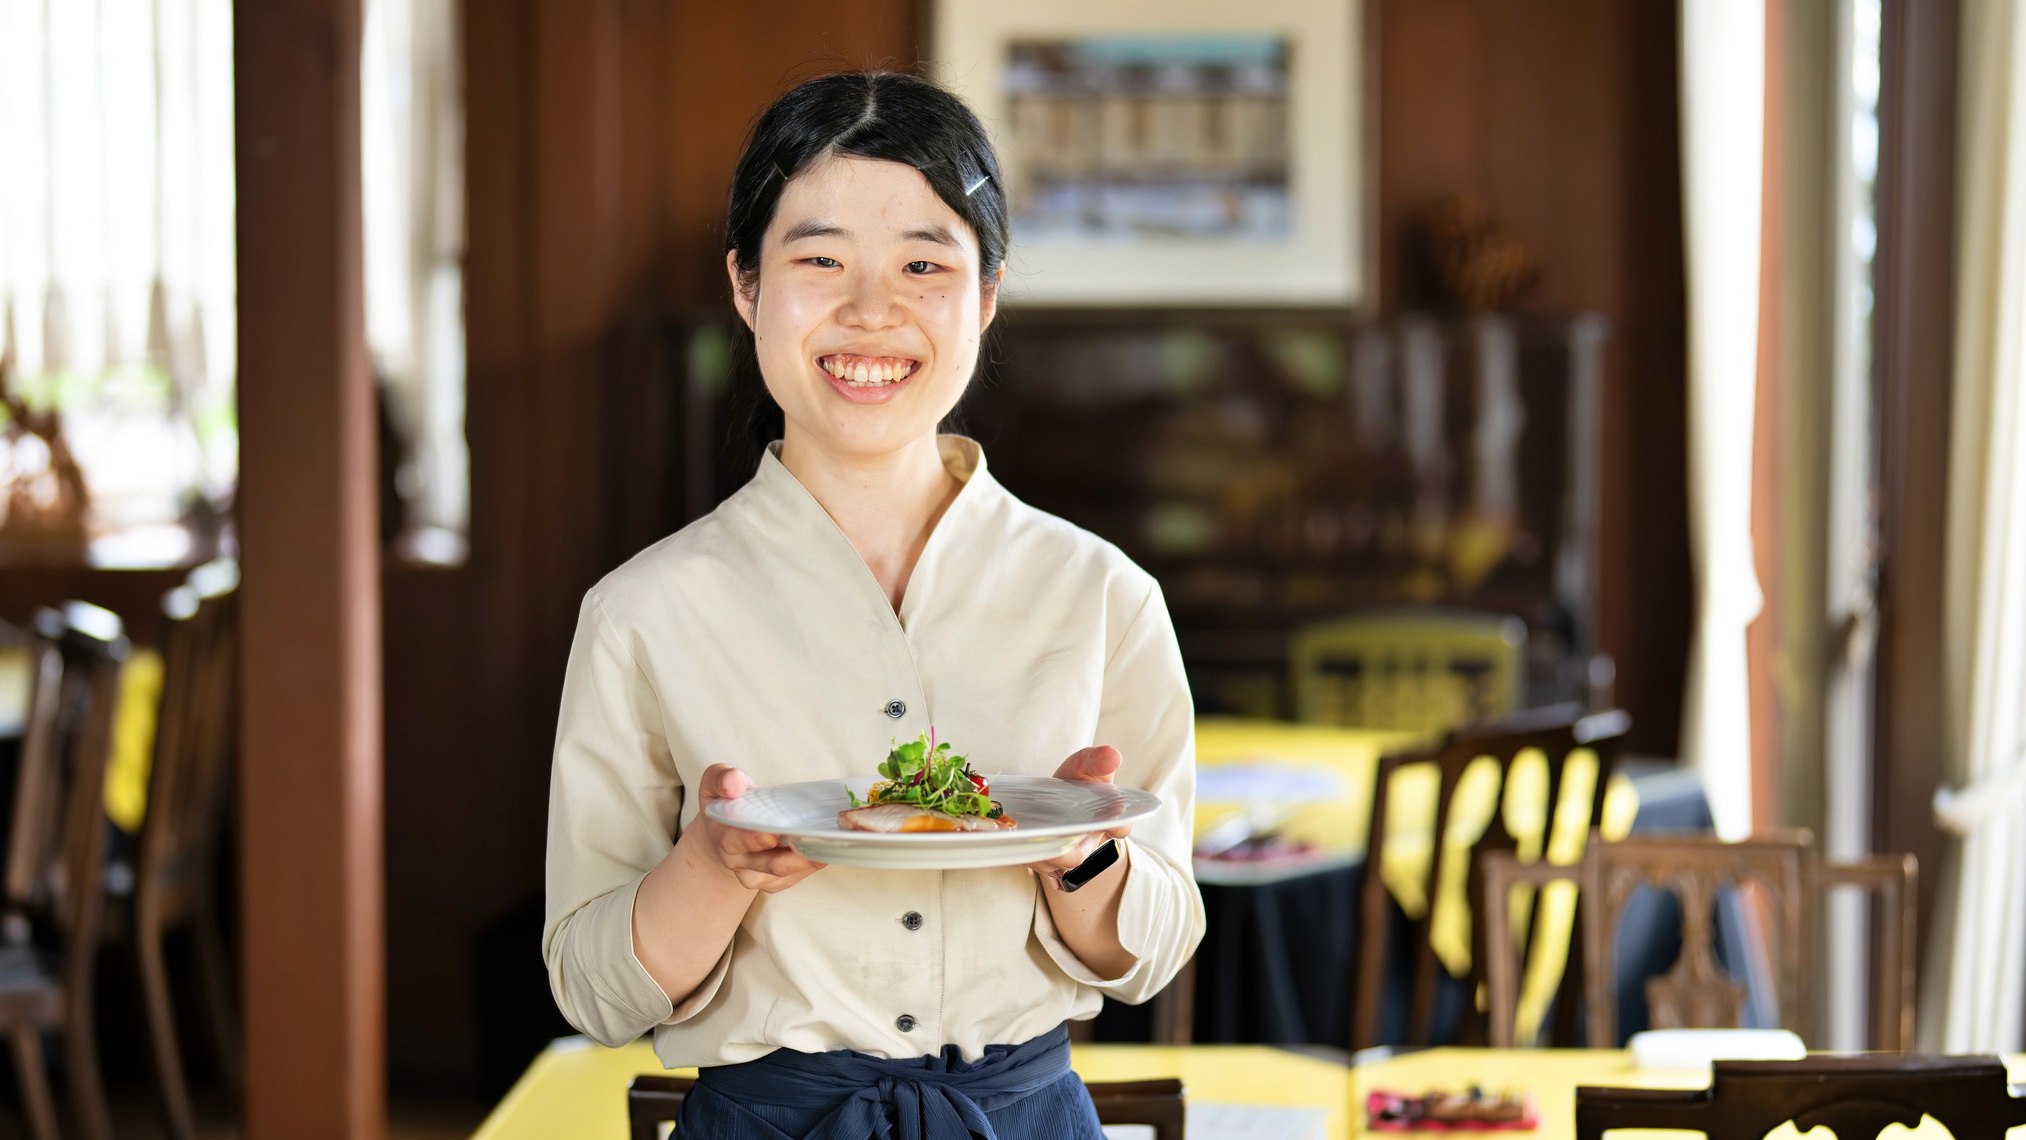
x: 310, y: 773
x: 1913, y: 349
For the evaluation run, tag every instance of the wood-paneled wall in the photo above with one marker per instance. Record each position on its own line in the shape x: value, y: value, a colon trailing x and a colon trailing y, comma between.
x: 1563, y: 114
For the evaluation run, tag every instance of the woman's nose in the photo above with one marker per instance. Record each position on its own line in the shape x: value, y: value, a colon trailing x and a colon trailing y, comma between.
x: 872, y: 303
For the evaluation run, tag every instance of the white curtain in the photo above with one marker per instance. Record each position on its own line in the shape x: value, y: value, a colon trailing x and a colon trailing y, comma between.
x: 116, y: 239
x: 412, y: 165
x: 1976, y: 991
x: 1723, y: 57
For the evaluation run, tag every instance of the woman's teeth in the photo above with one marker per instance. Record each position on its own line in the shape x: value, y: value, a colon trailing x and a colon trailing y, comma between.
x: 862, y: 373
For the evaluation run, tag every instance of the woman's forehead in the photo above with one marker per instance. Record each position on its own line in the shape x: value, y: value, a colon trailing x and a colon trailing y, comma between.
x: 852, y: 197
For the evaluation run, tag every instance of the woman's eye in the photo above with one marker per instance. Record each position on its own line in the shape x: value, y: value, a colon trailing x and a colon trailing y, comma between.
x: 823, y: 262
x: 921, y: 267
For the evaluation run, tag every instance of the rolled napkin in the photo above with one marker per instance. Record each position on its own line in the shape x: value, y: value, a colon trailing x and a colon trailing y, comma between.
x: 1696, y: 1048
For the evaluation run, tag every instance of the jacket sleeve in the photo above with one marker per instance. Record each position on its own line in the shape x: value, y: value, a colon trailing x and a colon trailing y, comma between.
x: 614, y: 798
x: 1147, y: 715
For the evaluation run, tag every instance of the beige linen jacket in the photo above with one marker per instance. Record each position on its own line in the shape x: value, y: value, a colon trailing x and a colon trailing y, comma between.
x: 757, y: 637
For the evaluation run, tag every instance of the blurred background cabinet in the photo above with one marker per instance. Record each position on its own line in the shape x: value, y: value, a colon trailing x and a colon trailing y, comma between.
x: 1277, y: 472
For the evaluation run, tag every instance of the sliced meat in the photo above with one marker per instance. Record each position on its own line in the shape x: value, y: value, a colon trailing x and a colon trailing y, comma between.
x: 907, y: 817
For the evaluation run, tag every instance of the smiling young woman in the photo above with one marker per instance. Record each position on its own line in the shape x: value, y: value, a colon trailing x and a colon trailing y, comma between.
x: 872, y: 581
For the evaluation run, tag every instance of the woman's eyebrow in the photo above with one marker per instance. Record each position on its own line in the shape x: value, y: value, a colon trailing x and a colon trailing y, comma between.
x: 813, y: 228
x: 941, y: 235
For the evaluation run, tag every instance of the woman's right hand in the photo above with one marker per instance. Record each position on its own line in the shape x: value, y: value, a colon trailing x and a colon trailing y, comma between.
x: 760, y: 861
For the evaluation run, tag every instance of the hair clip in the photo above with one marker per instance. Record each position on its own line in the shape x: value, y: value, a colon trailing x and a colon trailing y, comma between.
x: 973, y: 187
x: 781, y: 172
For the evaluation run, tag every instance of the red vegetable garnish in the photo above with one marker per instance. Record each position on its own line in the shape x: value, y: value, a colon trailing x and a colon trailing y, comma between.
x: 978, y: 782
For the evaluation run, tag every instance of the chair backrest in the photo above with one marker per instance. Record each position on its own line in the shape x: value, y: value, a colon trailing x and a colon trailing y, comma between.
x: 1697, y: 993
x: 1447, y: 877
x: 194, y: 743
x: 57, y: 842
x: 653, y: 1100
x: 1422, y: 670
x: 1854, y: 1096
x: 1893, y: 880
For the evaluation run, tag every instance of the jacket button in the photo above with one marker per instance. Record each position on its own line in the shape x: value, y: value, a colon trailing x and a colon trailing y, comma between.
x: 905, y: 1023
x: 896, y: 709
x: 912, y: 920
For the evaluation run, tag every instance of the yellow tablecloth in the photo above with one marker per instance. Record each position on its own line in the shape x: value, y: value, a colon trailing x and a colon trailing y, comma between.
x: 1341, y: 825
x: 578, y: 1089
x: 1552, y: 1075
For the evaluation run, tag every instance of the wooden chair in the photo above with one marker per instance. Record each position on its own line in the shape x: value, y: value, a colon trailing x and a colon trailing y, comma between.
x: 1555, y: 733
x: 175, y: 867
x: 1893, y: 881
x: 1174, y: 1008
x: 1424, y: 670
x: 653, y: 1100
x: 55, y: 862
x: 1855, y: 1096
x: 1697, y: 993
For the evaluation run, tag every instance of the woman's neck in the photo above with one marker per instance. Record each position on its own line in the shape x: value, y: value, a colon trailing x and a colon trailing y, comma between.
x: 886, y: 505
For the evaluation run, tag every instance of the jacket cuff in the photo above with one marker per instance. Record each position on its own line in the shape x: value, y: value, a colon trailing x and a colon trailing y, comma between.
x: 1135, y: 909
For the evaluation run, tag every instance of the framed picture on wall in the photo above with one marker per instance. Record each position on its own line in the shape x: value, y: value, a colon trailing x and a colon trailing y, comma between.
x: 1173, y: 152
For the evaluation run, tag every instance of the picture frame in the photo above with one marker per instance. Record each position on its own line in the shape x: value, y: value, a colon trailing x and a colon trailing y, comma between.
x: 1174, y: 153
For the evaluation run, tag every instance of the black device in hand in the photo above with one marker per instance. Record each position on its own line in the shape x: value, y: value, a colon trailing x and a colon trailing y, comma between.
x: 1073, y: 880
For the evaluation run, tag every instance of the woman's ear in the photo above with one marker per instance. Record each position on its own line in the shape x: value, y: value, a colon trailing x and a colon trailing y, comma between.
x: 741, y: 300
x: 988, y: 299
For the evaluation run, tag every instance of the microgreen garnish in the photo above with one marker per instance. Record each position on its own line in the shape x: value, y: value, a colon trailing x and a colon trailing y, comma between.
x: 926, y: 774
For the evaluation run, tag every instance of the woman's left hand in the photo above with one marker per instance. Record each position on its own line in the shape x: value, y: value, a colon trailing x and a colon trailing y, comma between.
x: 1095, y: 765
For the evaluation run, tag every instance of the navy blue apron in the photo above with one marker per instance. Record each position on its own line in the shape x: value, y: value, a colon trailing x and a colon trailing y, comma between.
x: 1013, y: 1091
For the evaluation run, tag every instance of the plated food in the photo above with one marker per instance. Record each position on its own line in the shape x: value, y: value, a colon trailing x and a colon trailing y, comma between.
x: 855, y: 822
x: 924, y: 787
x: 1440, y: 1110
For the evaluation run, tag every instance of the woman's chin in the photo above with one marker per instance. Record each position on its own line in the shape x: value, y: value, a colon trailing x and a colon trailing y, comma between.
x: 869, y: 431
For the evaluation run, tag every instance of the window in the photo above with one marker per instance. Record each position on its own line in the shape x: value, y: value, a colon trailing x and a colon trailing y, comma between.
x: 412, y: 166
x: 118, y: 436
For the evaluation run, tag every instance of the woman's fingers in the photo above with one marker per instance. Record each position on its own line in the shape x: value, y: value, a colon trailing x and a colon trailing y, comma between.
x: 740, y: 848
x: 757, y: 859
x: 773, y: 870
x: 723, y: 782
x: 1095, y: 764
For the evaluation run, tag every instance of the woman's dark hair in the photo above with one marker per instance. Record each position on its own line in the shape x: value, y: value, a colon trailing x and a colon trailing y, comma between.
x: 874, y: 114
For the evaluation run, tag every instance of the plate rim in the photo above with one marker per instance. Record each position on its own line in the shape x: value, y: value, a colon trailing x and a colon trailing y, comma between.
x: 1142, y: 803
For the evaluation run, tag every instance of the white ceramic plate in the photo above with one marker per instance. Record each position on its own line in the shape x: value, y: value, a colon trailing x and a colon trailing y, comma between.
x: 1053, y: 815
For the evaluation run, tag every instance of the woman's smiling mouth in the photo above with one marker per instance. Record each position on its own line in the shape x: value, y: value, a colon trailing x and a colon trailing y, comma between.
x: 867, y: 371
x: 867, y: 379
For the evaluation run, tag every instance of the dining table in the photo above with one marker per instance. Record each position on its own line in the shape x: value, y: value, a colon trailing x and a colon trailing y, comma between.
x: 577, y: 1088
x: 1282, y: 937
x: 1551, y: 1077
